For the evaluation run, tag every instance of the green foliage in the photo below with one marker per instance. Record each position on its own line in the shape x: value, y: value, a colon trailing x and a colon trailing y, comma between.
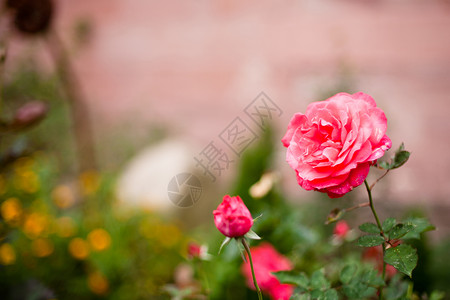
x: 369, y: 228
x: 403, y: 258
x: 420, y: 225
x: 399, y: 231
x: 355, y: 281
x: 370, y: 240
x: 400, y: 158
x: 388, y: 224
x: 66, y: 248
x: 299, y: 279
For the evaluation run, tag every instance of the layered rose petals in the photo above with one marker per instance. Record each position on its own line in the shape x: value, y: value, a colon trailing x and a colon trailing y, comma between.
x: 333, y: 144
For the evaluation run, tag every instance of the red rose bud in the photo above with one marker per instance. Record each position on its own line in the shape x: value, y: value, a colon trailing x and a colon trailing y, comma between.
x: 232, y: 217
x: 29, y: 114
x: 194, y: 250
x: 266, y: 260
x: 341, y: 229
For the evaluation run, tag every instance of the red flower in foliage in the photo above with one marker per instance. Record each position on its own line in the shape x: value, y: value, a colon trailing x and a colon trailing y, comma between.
x: 266, y: 260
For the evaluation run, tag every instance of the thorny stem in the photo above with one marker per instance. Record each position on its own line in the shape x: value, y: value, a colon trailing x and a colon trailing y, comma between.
x: 203, y: 275
x: 369, y: 192
x: 247, y: 249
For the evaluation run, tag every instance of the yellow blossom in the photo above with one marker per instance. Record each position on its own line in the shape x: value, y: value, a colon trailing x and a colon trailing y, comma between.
x: 7, y: 254
x: 35, y: 224
x: 97, y: 283
x: 23, y: 164
x: 65, y: 227
x: 169, y: 235
x: 11, y: 211
x: 42, y: 247
x: 27, y: 181
x: 79, y: 248
x: 89, y: 182
x: 99, y: 239
x: 63, y: 196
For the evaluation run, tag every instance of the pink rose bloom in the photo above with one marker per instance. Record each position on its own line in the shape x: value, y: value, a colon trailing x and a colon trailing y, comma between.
x: 232, y: 217
x: 333, y: 144
x: 341, y: 229
x: 265, y: 261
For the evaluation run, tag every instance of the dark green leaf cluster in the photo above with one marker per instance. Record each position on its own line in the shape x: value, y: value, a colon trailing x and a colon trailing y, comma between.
x: 402, y: 257
x: 354, y: 282
x: 400, y: 158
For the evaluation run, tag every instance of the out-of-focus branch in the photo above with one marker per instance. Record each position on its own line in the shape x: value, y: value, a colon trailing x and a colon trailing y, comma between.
x: 81, y: 120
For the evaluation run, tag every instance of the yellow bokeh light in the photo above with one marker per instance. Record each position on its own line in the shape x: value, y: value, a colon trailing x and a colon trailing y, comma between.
x: 169, y: 235
x: 7, y: 254
x: 42, y: 247
x: 99, y: 239
x: 89, y: 182
x: 79, y: 248
x: 63, y: 196
x: 11, y: 211
x: 27, y: 181
x: 97, y: 283
x: 23, y: 164
x: 65, y: 227
x: 35, y: 224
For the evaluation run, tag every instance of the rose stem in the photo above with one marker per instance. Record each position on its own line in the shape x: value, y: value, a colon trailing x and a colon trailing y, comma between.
x: 247, y: 249
x: 203, y: 275
x: 369, y: 192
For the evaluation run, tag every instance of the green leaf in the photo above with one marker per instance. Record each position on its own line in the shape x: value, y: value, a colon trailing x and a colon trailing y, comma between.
x: 403, y: 258
x: 318, y: 280
x: 383, y: 164
x: 400, y: 230
x: 305, y: 296
x: 372, y: 278
x: 358, y: 290
x: 225, y: 242
x: 420, y: 225
x: 252, y: 235
x: 369, y: 228
x: 289, y: 277
x: 400, y: 158
x: 370, y: 240
x: 437, y: 295
x: 388, y: 224
x: 348, y: 272
x: 330, y: 294
x: 317, y: 294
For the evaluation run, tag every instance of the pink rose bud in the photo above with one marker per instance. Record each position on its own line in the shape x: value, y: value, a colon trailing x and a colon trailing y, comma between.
x: 341, y: 229
x: 194, y: 250
x: 332, y: 146
x: 232, y: 217
x: 29, y: 114
x: 266, y: 260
